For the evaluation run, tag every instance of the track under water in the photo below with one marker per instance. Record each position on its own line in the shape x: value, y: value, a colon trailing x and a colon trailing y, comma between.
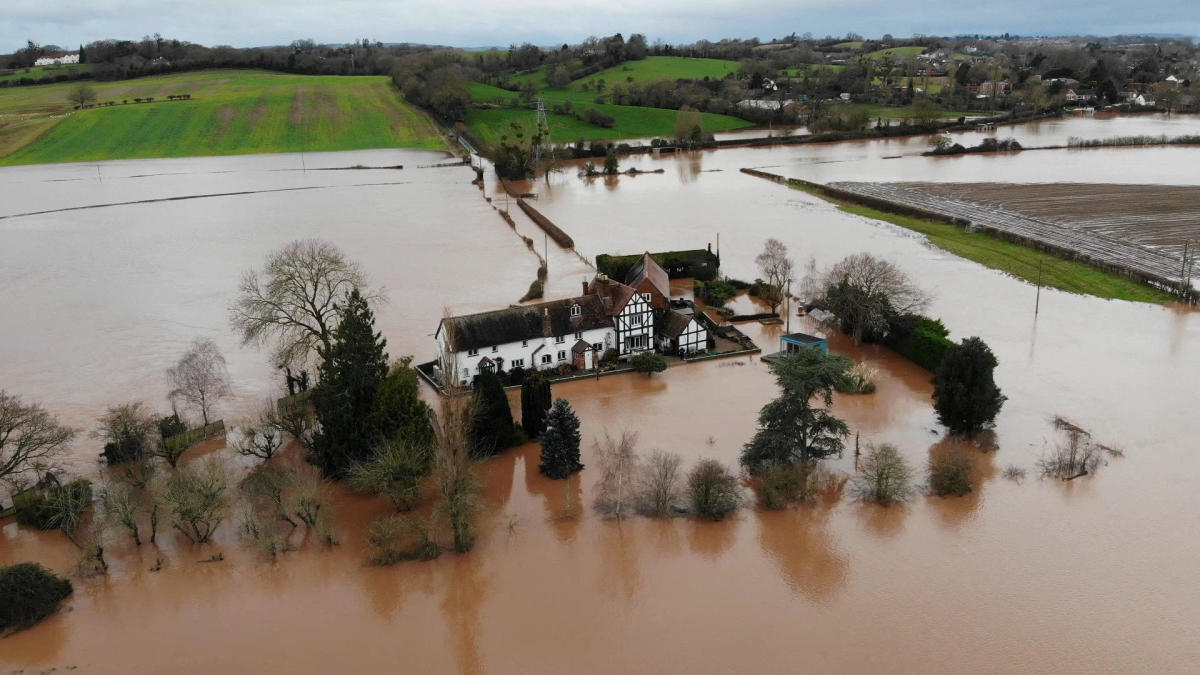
x: 1092, y: 575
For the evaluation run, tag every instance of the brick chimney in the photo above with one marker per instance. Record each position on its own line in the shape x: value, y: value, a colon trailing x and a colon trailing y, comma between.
x: 585, y: 287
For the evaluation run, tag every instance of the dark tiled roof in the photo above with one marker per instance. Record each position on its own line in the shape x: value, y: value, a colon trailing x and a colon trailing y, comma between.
x: 613, y: 293
x: 580, y: 347
x: 528, y: 322
x: 675, y: 324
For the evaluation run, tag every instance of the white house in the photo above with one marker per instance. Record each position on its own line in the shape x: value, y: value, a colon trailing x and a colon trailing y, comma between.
x: 630, y: 311
x: 57, y: 59
x: 575, y: 332
x: 681, y: 333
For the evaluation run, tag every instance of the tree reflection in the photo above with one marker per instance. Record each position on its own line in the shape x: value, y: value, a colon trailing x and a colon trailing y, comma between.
x: 620, y: 573
x: 798, y: 541
x: 466, y: 590
x: 980, y: 454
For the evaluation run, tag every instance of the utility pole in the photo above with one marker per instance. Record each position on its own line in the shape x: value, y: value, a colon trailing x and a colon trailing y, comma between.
x: 788, y: 301
x: 1038, y: 302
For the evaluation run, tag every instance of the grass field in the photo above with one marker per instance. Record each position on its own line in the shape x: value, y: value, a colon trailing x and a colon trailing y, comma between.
x: 855, y: 44
x: 231, y: 112
x: 38, y: 72
x: 897, y: 53
x: 630, y: 121
x: 1017, y: 260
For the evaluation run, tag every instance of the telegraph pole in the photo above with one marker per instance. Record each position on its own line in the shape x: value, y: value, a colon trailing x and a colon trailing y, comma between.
x: 1037, y: 303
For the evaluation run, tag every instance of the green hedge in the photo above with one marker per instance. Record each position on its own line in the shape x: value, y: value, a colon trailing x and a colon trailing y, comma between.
x: 35, y: 508
x: 696, y: 264
x: 28, y: 594
x: 920, y: 339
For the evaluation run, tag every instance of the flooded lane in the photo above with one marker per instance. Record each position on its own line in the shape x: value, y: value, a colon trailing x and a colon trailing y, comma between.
x: 1094, y: 575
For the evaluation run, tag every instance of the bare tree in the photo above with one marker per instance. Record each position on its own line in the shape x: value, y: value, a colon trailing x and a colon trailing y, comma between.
x: 127, y: 428
x: 262, y: 436
x: 660, y: 483
x: 776, y: 269
x: 293, y: 301
x: 200, y: 378
x: 197, y: 500
x: 865, y: 291
x: 618, y: 461
x: 30, y: 438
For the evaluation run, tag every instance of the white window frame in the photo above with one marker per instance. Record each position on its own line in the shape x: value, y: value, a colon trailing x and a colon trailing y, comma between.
x: 495, y: 348
x: 576, y: 310
x: 559, y: 339
x: 516, y: 363
x: 562, y: 355
x: 546, y: 358
x: 472, y: 352
x: 578, y: 335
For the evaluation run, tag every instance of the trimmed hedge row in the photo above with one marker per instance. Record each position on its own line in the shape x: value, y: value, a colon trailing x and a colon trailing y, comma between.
x: 920, y: 339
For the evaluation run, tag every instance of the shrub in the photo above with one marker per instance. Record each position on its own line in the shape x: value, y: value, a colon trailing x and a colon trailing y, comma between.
x: 950, y: 476
x: 965, y: 394
x: 885, y: 477
x: 648, y: 362
x: 394, y: 471
x: 391, y: 539
x: 859, y: 380
x: 28, y: 594
x: 594, y: 116
x: 57, y: 506
x: 611, y: 355
x: 715, y: 292
x: 535, y: 404
x: 783, y: 484
x: 920, y: 339
x: 492, y: 422
x: 197, y: 500
x: 713, y: 491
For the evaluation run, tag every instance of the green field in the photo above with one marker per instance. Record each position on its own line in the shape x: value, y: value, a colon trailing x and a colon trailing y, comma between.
x: 897, y: 53
x: 855, y: 44
x: 231, y: 112
x: 38, y: 72
x: 630, y: 121
x: 1019, y: 261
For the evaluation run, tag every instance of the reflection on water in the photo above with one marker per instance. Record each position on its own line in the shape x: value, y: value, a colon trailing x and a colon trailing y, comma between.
x: 98, y: 303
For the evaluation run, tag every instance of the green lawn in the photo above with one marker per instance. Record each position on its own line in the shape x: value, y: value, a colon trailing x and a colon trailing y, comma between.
x: 38, y: 72
x: 1019, y: 261
x: 653, y: 68
x: 231, y: 112
x: 897, y: 53
x: 855, y: 44
x: 630, y: 121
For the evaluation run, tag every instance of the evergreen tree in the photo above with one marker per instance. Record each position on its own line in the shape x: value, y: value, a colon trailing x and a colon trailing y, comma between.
x: 399, y: 415
x: 354, y: 367
x: 491, y: 418
x: 560, y: 442
x: 535, y: 403
x: 965, y: 396
x: 791, y: 428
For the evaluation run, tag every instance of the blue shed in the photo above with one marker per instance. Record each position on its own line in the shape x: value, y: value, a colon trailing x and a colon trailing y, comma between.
x: 794, y: 342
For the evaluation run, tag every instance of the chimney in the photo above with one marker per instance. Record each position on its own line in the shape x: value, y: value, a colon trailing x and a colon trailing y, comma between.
x: 585, y: 287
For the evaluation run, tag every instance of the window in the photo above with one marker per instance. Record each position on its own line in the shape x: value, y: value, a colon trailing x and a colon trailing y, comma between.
x: 472, y: 352
x: 545, y: 358
x: 598, y: 347
x: 578, y: 335
x: 645, y: 296
x: 562, y: 356
x: 466, y: 373
x: 576, y: 310
x: 494, y: 349
x: 516, y: 363
x: 560, y: 339
x: 524, y: 343
x: 636, y: 319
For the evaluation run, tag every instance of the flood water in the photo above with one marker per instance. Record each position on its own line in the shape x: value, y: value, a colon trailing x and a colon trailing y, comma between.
x: 1092, y: 575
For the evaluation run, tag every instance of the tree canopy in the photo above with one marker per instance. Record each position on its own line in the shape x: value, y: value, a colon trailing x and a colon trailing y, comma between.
x: 560, y: 442
x: 965, y: 394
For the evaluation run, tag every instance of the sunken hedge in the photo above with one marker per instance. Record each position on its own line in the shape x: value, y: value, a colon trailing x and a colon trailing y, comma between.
x: 36, y: 508
x: 920, y: 339
x: 699, y: 264
x: 28, y: 594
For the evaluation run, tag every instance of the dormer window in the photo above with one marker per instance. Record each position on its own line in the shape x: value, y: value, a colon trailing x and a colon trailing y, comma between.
x: 576, y: 310
x: 645, y: 296
x: 494, y: 349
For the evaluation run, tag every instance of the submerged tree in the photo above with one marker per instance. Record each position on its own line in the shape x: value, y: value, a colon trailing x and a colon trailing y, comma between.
x: 128, y: 429
x: 865, y: 292
x: 394, y: 471
x: 616, y: 493
x: 354, y: 368
x: 30, y: 438
x: 200, y: 377
x: 965, y: 394
x: 713, y: 490
x: 775, y: 266
x: 399, y: 415
x: 491, y: 422
x: 535, y: 403
x: 293, y: 301
x: 560, y: 442
x: 885, y: 477
x: 791, y: 428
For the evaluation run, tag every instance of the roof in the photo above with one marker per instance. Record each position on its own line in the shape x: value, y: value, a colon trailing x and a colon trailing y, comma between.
x: 675, y: 324
x: 580, y: 347
x: 648, y: 269
x: 527, y: 322
x: 802, y: 338
x: 613, y: 294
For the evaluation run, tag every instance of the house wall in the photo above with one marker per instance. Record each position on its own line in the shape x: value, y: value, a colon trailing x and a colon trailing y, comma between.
x: 628, y: 325
x: 467, y: 364
x: 694, y: 338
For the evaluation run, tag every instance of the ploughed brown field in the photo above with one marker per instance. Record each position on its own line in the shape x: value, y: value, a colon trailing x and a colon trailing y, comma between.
x: 1158, y: 216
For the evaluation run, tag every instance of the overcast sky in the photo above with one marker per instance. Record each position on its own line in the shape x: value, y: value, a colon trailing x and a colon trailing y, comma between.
x: 477, y: 23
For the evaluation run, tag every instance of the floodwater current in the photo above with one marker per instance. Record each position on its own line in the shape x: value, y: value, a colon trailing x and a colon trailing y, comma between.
x: 1097, y: 574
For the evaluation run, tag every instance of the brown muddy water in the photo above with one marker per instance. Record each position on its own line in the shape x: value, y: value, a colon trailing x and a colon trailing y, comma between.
x: 1092, y: 575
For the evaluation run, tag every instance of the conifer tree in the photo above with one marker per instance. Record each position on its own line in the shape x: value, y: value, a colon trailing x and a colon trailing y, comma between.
x: 491, y: 418
x: 352, y: 370
x: 965, y: 395
x: 560, y: 441
x: 535, y: 404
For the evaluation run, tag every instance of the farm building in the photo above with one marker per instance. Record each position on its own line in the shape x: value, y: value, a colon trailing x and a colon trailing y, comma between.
x: 57, y: 59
